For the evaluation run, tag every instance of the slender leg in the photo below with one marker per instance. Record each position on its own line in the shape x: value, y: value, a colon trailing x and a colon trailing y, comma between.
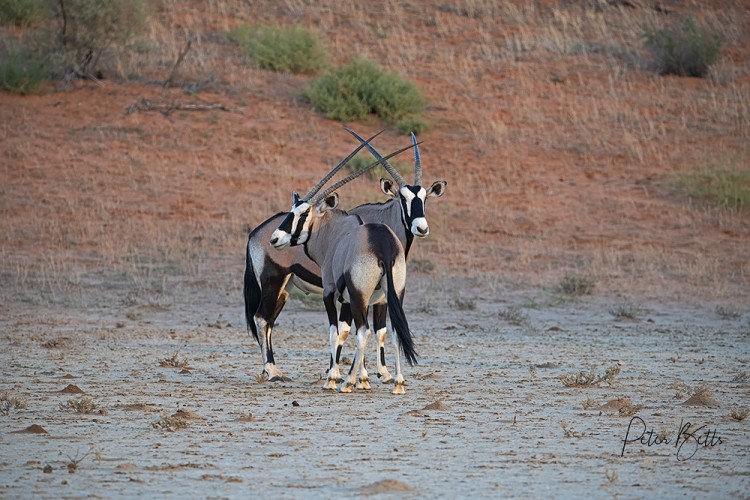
x: 359, y: 315
x: 274, y: 298
x: 379, y: 314
x: 334, y: 373
x: 363, y: 381
x: 399, y: 383
x: 351, y: 380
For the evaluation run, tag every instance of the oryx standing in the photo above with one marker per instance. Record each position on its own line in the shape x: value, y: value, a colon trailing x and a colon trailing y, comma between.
x: 361, y: 263
x: 269, y: 274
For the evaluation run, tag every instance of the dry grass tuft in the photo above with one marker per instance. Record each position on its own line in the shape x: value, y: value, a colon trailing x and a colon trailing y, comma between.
x: 171, y: 423
x: 514, y: 315
x: 627, y: 310
x: 588, y: 379
x: 739, y: 414
x: 83, y: 405
x: 702, y: 396
x: 175, y: 362
x: 10, y: 402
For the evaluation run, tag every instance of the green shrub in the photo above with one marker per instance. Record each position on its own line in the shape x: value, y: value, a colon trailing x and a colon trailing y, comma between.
x: 354, y: 91
x: 684, y: 50
x: 24, y: 12
x: 727, y: 186
x: 292, y: 49
x: 22, y: 72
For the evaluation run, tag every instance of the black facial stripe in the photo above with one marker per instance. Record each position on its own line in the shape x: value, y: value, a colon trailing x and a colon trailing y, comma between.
x: 416, y: 209
x: 286, y: 224
x: 298, y: 228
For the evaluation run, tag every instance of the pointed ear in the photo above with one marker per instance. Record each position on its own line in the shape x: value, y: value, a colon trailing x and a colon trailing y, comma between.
x: 387, y: 186
x: 295, y: 198
x: 437, y: 188
x: 329, y: 203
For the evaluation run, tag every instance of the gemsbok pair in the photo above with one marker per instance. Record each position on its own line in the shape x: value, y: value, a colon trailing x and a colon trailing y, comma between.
x: 270, y: 273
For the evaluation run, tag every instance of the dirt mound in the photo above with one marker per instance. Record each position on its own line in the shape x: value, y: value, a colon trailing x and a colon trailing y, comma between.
x: 32, y: 429
x: 72, y: 389
x: 386, y: 486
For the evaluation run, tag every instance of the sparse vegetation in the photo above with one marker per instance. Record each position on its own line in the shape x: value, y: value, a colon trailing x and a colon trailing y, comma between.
x: 588, y: 379
x: 739, y: 414
x: 355, y: 90
x: 627, y: 310
x: 514, y: 315
x: 10, y: 402
x: 170, y: 423
x: 291, y: 49
x: 23, y: 12
x: 175, y: 362
x: 726, y: 186
x: 83, y: 405
x: 21, y: 72
x: 576, y: 285
x: 686, y: 49
x: 463, y: 304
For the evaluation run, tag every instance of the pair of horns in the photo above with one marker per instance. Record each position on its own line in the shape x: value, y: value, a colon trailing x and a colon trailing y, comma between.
x: 313, y: 198
x: 380, y: 161
x: 392, y: 171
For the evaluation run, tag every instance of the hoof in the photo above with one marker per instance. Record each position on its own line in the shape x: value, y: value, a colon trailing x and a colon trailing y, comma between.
x: 345, y: 388
x: 387, y: 380
x: 280, y: 378
x: 330, y: 385
x: 399, y: 389
x: 363, y: 383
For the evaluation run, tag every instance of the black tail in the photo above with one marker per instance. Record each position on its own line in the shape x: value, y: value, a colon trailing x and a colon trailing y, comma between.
x: 252, y: 294
x: 398, y: 319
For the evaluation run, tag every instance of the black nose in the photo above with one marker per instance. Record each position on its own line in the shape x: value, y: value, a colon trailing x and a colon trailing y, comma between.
x: 423, y: 231
x: 274, y: 240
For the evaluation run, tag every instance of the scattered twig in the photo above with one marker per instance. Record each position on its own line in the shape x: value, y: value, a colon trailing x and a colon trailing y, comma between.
x: 168, y: 108
x: 73, y: 464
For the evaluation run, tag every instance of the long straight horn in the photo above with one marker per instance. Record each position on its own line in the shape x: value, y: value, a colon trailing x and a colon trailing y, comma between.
x: 380, y: 161
x: 338, y: 167
x: 417, y: 162
x: 392, y: 171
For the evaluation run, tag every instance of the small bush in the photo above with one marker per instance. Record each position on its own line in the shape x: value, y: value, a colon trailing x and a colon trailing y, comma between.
x: 684, y: 50
x: 410, y: 124
x: 354, y: 91
x: 92, y: 27
x: 727, y: 186
x: 21, y: 72
x: 576, y: 285
x: 23, y: 12
x: 293, y: 49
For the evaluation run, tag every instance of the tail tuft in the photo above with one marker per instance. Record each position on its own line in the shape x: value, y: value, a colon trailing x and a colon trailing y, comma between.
x: 399, y: 322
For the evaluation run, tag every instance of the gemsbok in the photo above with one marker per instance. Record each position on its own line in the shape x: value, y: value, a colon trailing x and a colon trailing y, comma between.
x: 270, y: 274
x: 361, y: 263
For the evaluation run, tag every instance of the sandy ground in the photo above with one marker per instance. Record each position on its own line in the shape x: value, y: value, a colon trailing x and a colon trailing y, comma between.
x: 486, y: 413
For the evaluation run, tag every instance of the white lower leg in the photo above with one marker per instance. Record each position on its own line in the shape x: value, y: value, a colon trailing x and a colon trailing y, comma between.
x: 363, y: 381
x: 399, y: 382
x: 383, y: 374
x: 334, y: 374
x: 351, y: 379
